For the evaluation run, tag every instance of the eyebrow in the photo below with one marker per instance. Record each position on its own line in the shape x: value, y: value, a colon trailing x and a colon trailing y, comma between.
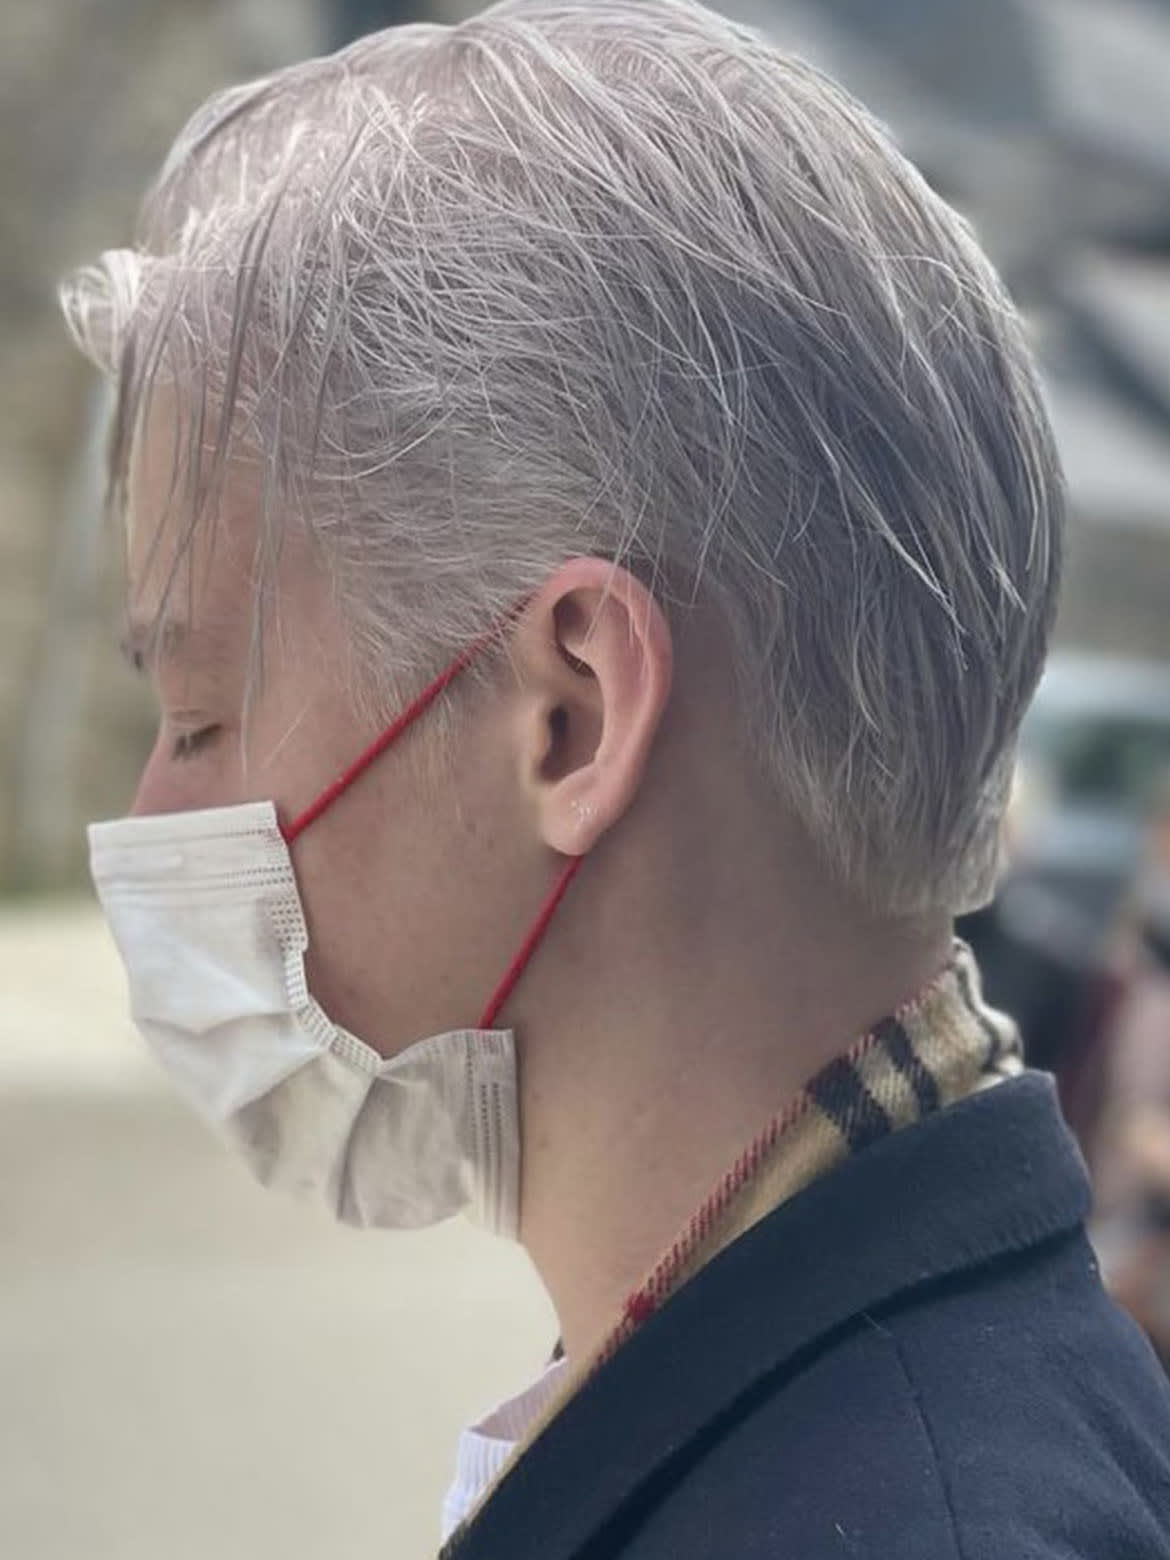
x: 145, y: 642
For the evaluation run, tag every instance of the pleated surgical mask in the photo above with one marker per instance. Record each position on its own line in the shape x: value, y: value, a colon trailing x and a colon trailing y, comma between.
x: 207, y: 915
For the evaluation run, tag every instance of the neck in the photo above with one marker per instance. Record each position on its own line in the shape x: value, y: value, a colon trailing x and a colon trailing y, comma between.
x: 678, y: 1047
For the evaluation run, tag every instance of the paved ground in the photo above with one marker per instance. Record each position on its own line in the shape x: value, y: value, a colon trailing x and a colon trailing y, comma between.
x: 191, y: 1369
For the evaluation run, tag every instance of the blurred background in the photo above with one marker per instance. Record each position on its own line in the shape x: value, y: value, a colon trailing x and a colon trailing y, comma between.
x: 189, y: 1368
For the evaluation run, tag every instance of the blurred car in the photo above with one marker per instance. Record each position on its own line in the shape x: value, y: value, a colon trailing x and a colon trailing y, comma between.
x: 1094, y: 753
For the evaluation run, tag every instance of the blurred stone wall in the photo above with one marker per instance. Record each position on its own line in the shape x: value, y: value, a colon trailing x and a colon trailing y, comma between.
x: 91, y: 94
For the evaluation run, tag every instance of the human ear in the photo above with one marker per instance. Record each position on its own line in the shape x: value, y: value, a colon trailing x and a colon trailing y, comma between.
x: 594, y: 656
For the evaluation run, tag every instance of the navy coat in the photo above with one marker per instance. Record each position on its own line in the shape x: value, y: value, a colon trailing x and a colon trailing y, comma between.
x: 913, y: 1359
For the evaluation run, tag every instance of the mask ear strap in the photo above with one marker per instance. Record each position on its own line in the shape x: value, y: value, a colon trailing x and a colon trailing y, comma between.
x: 376, y: 748
x: 409, y: 715
x: 374, y: 751
x: 520, y: 963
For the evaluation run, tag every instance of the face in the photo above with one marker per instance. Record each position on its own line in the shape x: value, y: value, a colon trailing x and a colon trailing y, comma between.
x: 419, y: 882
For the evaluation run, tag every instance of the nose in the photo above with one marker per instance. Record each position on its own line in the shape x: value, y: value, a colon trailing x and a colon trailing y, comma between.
x: 153, y: 794
x: 165, y: 787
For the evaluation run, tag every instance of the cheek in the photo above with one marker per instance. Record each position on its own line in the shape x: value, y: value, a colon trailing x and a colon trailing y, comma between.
x: 354, y: 959
x: 379, y: 915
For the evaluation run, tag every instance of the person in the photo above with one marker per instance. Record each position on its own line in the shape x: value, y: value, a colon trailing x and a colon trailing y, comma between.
x: 1130, y: 1148
x: 593, y: 531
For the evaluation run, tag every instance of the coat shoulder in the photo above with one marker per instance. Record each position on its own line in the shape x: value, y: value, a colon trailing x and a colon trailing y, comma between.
x: 1012, y: 1414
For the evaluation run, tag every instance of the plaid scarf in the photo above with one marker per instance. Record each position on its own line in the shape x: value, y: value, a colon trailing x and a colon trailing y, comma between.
x: 937, y: 1049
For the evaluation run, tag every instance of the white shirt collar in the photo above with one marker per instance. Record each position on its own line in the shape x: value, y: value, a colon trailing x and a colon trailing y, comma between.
x: 484, y: 1449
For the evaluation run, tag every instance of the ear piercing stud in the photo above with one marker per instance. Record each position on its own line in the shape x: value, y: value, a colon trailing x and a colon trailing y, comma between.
x: 582, y: 811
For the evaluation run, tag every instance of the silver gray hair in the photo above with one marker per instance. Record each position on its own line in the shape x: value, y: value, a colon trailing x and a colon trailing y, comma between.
x: 624, y: 279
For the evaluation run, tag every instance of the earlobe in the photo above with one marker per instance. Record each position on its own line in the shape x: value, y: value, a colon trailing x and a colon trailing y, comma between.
x: 600, y: 654
x: 583, y: 813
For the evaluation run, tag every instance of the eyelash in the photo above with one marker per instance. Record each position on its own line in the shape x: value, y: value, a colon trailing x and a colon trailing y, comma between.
x: 188, y: 743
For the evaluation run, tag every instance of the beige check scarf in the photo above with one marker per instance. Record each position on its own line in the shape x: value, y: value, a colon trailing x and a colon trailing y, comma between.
x: 937, y: 1049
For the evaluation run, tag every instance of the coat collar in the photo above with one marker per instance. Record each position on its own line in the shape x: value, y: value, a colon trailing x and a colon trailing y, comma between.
x: 993, y: 1174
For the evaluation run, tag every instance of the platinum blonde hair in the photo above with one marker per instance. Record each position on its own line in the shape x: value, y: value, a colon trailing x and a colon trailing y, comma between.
x: 624, y: 279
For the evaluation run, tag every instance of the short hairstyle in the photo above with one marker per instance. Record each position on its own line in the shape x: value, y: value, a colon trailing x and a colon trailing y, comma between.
x: 625, y: 279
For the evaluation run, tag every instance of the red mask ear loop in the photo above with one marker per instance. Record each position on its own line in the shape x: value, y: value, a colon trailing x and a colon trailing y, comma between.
x: 520, y: 963
x: 379, y: 745
x: 409, y: 715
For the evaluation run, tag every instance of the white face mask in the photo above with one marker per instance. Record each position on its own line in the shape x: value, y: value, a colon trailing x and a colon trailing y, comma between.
x: 205, y: 911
